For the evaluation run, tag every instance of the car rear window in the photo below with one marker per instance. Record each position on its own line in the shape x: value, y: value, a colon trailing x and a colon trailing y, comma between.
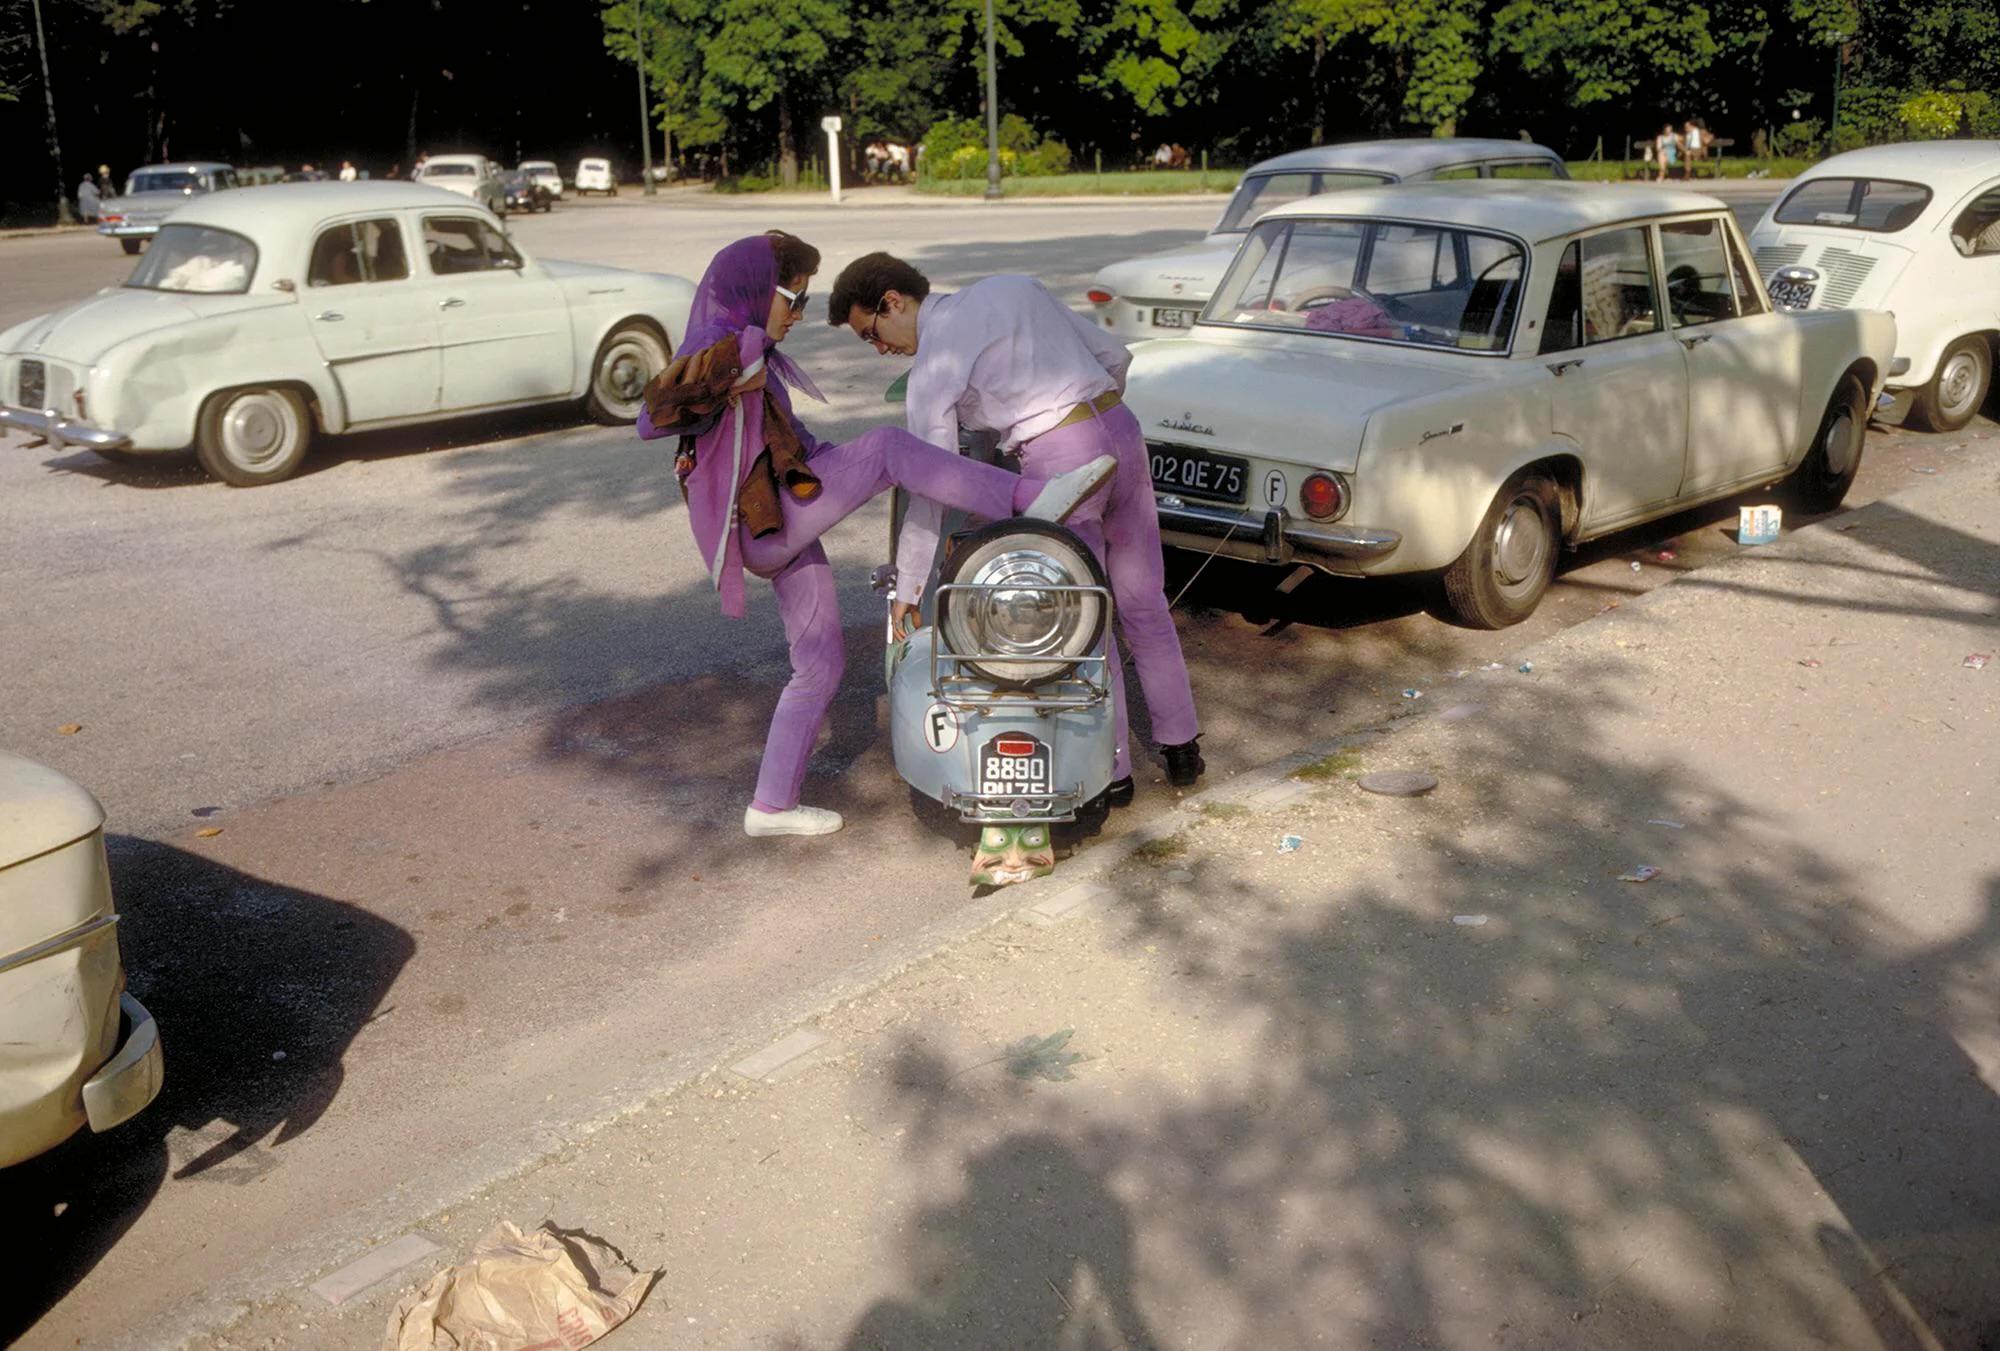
x: 165, y: 180
x: 198, y: 259
x: 447, y: 170
x: 1257, y: 196
x: 1879, y: 205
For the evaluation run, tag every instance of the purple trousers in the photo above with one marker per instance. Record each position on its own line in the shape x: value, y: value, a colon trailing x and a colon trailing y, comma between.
x: 1122, y: 525
x: 797, y: 567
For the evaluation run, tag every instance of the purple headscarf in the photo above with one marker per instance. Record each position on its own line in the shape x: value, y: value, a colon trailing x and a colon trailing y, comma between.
x: 734, y: 300
x: 735, y: 294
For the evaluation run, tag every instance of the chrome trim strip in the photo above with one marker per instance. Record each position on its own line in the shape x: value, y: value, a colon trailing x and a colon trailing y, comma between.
x: 49, y: 947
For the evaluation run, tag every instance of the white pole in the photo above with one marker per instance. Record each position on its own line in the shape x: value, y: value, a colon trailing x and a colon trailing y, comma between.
x: 833, y: 162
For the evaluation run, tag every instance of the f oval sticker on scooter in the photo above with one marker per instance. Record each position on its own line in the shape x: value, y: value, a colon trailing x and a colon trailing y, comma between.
x: 940, y: 728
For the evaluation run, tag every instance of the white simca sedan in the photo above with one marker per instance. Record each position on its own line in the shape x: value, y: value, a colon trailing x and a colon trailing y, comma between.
x: 259, y: 318
x: 1467, y: 376
x: 1911, y: 229
x: 1161, y: 295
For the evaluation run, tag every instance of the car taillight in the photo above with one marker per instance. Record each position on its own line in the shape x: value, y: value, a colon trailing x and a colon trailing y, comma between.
x: 1322, y: 496
x: 112, y: 220
x: 1097, y: 297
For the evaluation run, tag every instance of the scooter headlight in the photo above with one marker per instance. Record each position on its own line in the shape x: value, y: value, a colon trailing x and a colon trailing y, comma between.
x: 1019, y: 620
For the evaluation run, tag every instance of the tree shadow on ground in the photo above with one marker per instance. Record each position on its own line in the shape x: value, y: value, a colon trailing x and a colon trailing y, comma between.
x: 1729, y: 1108
x: 258, y: 990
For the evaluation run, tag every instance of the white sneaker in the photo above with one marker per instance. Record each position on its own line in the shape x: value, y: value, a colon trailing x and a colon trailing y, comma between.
x: 1064, y: 493
x: 797, y: 821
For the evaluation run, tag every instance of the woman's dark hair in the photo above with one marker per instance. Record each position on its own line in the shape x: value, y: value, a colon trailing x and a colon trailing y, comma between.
x: 867, y: 279
x: 796, y: 258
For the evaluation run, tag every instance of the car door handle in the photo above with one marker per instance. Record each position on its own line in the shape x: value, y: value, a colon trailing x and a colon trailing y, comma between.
x: 1696, y: 340
x: 453, y: 303
x: 329, y: 316
x: 1559, y: 367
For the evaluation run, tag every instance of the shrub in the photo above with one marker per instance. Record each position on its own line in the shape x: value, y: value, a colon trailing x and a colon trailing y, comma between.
x: 1050, y: 157
x: 1931, y: 116
x: 1797, y: 138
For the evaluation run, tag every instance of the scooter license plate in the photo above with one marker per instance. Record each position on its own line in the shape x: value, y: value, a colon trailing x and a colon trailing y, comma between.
x: 1014, y: 765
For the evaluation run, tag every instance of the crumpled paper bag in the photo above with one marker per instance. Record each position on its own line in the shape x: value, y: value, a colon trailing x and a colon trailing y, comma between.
x: 518, y: 1292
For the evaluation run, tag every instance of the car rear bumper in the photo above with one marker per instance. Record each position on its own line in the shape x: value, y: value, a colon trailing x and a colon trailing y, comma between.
x: 130, y: 230
x: 1268, y: 537
x: 126, y: 1083
x: 52, y: 426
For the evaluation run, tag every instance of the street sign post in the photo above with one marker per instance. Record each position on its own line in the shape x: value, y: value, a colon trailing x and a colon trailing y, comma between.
x: 831, y: 126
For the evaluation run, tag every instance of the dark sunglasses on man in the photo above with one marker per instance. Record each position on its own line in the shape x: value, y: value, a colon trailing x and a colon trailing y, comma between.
x: 796, y: 299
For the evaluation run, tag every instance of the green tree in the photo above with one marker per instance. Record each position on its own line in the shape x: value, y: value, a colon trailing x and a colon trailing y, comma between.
x: 770, y: 53
x: 1430, y: 49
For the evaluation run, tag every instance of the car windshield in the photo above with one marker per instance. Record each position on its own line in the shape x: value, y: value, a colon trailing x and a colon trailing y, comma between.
x: 1392, y: 281
x: 1258, y: 195
x: 196, y: 258
x: 448, y: 170
x: 165, y: 180
x: 1878, y: 205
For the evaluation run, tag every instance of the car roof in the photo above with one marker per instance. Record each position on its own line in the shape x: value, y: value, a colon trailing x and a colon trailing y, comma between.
x: 1534, y: 210
x: 464, y: 158
x: 300, y: 206
x: 1403, y: 155
x: 187, y: 166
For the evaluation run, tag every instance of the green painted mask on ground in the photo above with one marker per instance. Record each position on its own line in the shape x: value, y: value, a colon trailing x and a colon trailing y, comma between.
x: 1009, y: 854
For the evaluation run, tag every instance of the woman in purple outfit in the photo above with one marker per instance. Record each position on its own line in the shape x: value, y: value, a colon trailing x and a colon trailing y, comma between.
x: 761, y: 488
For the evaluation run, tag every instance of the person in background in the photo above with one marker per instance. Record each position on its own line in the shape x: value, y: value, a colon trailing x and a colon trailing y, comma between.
x: 396, y: 170
x: 87, y: 200
x: 1695, y: 137
x: 347, y: 171
x: 1667, y: 151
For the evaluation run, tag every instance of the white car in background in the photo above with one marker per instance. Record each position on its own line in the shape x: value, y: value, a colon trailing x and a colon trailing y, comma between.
x: 545, y: 173
x: 155, y: 192
x: 1160, y: 295
x: 1465, y: 378
x: 77, y: 1049
x: 473, y: 176
x: 1913, y: 229
x: 258, y: 319
x: 594, y: 175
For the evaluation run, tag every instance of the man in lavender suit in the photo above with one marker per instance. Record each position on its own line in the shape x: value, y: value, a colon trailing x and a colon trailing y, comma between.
x: 1004, y: 355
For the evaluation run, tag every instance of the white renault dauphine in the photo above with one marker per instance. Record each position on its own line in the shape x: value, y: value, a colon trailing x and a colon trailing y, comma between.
x: 1466, y: 377
x: 1162, y: 294
x: 1912, y: 229
x: 257, y: 319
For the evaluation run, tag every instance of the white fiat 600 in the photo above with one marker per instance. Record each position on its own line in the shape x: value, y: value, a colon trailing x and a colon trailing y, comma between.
x: 1911, y: 229
x: 1467, y: 376
x: 1160, y: 295
x: 257, y: 319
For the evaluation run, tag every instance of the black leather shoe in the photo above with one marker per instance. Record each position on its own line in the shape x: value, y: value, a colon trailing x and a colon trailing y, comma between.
x: 1184, y: 763
x: 1119, y: 793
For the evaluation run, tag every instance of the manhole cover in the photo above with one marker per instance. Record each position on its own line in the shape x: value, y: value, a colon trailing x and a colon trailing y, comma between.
x: 1399, y: 782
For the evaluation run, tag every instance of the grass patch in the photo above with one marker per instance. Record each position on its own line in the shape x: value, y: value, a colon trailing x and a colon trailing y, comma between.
x: 1112, y: 182
x: 1161, y: 850
x: 1614, y: 171
x: 1334, y: 766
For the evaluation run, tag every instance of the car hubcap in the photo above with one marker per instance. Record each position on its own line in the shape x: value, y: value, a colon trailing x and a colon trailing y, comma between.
x: 256, y: 429
x: 1959, y: 384
x: 1521, y: 545
x: 1839, y: 443
x: 627, y: 368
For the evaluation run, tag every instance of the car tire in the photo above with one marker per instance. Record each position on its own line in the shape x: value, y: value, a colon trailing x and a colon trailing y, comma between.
x: 131, y: 245
x: 1822, y: 479
x: 1501, y: 577
x: 252, y: 436
x: 631, y: 355
x: 1958, y: 390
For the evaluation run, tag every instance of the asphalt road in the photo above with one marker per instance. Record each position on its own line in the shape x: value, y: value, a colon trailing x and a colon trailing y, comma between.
x: 505, y: 587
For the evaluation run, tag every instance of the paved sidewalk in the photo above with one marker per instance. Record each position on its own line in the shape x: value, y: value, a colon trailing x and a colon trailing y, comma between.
x: 1436, y: 1076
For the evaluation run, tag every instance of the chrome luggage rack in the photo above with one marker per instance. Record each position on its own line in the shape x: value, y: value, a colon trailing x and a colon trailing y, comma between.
x: 951, y: 686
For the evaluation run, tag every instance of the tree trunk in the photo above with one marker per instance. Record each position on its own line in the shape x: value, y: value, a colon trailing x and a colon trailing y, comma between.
x: 788, y: 153
x: 1319, y: 99
x: 410, y: 151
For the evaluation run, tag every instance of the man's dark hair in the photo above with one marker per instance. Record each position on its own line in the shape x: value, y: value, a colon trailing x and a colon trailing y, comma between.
x: 867, y: 279
x: 796, y: 258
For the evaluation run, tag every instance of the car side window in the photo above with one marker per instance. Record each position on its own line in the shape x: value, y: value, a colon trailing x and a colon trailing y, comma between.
x: 336, y: 258
x: 369, y: 250
x: 1699, y: 286
x: 1749, y: 300
x: 1976, y: 232
x: 1455, y: 172
x: 1603, y: 291
x: 1535, y: 168
x: 460, y: 244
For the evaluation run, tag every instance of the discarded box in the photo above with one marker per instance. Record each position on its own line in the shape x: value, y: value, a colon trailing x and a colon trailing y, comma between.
x: 545, y: 1289
x: 1758, y: 525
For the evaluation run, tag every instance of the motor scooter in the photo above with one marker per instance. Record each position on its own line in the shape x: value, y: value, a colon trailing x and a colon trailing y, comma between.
x: 1000, y: 707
